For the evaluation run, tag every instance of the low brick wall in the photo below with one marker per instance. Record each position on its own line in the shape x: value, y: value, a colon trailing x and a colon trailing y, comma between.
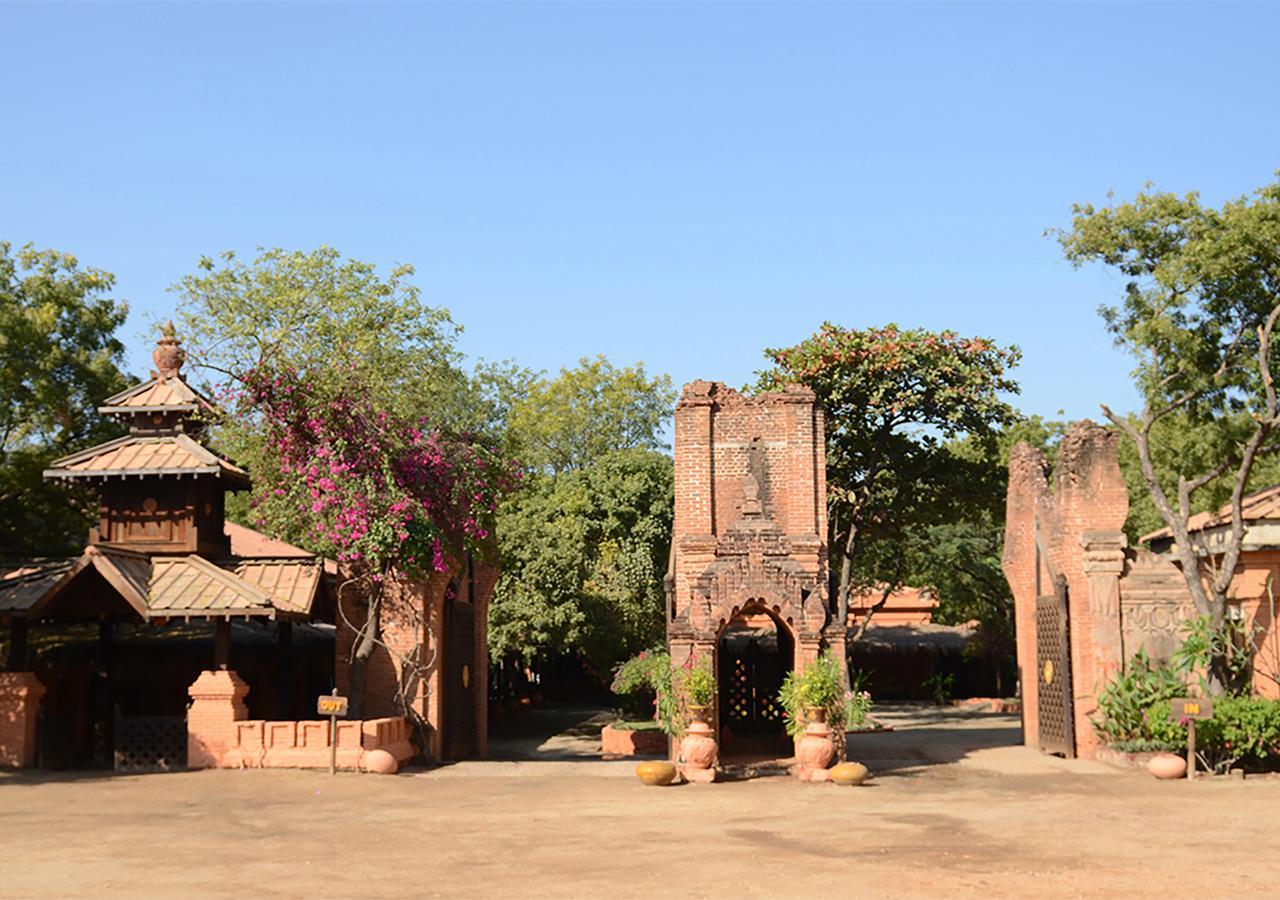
x: 261, y: 744
x: 617, y: 742
x: 221, y: 736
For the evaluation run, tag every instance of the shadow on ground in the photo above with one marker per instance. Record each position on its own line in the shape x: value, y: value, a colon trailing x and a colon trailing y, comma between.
x: 560, y: 732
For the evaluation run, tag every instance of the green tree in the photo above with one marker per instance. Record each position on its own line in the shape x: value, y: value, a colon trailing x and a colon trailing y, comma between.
x: 893, y: 399
x: 584, y: 554
x: 1201, y: 299
x: 59, y: 359
x: 566, y: 422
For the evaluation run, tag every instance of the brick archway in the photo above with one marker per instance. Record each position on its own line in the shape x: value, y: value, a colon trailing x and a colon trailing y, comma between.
x: 754, y: 651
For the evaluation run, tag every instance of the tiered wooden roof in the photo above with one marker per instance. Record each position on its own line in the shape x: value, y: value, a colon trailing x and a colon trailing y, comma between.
x: 260, y: 576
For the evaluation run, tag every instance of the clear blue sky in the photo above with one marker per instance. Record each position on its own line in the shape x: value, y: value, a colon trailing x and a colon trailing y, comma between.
x: 675, y: 183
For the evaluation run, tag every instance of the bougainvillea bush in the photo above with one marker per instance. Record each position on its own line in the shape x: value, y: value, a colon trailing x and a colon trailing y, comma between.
x: 380, y: 493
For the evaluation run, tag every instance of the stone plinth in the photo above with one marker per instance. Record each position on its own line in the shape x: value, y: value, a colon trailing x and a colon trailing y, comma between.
x: 20, y: 694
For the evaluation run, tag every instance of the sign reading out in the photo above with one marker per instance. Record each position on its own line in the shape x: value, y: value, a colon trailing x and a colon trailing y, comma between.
x: 329, y: 705
x: 1191, y: 708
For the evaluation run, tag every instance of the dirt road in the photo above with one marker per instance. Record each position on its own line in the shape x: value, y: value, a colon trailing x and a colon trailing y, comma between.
x: 996, y: 820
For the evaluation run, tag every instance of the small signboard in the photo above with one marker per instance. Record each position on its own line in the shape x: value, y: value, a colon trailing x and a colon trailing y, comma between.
x: 1191, y: 708
x: 330, y: 705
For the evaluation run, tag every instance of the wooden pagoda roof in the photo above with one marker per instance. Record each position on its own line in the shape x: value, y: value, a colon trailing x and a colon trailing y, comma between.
x: 137, y: 455
x: 171, y: 394
x: 167, y: 587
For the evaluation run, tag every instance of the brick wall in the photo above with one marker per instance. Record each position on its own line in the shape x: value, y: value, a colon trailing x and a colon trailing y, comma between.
x: 220, y: 735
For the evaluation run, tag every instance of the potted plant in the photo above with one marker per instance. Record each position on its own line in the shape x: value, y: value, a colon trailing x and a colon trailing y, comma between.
x: 815, y: 704
x: 697, y: 684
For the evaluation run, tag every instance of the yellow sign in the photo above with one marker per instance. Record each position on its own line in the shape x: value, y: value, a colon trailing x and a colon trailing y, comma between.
x: 330, y: 705
x: 1047, y: 673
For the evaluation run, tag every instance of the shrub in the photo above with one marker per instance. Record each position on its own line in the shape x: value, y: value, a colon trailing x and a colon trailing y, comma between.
x: 644, y: 679
x: 1124, y: 702
x: 698, y: 683
x: 1243, y: 729
x: 819, y: 686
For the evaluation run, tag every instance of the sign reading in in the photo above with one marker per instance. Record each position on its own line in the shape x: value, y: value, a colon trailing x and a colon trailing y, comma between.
x: 328, y: 705
x: 1191, y: 708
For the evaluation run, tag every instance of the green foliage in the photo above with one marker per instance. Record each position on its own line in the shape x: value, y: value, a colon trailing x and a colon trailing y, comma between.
x: 1242, y: 729
x: 1124, y: 702
x: 645, y: 682
x: 59, y: 359
x: 583, y: 557
x: 894, y: 398
x: 697, y: 683
x: 568, y: 422
x: 1201, y: 288
x: 820, y: 685
x: 1229, y: 644
x: 940, y: 686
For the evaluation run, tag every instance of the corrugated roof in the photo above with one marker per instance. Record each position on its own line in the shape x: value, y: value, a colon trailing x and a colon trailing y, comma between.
x: 22, y: 587
x: 171, y: 394
x: 173, y: 454
x: 1264, y: 504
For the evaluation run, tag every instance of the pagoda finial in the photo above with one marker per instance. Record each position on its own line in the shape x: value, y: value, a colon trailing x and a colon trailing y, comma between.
x: 168, y: 355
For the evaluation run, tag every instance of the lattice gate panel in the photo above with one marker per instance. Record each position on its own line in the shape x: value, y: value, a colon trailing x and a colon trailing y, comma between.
x: 1055, y: 712
x: 751, y: 681
x: 150, y: 743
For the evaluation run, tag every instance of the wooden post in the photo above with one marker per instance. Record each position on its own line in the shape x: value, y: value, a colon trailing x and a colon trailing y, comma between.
x: 222, y: 643
x: 16, y: 652
x: 284, y: 669
x: 1191, y: 749
x: 333, y: 740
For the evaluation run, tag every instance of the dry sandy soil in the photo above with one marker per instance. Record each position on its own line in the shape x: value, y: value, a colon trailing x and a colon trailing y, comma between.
x: 955, y: 809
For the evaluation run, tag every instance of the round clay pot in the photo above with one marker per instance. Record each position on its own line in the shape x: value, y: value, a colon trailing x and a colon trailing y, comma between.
x: 699, y: 746
x: 698, y: 713
x: 656, y: 773
x: 1167, y: 765
x: 816, y: 749
x: 380, y: 762
x: 849, y: 773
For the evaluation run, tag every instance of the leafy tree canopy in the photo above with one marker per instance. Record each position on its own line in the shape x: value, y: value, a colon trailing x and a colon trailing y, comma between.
x: 1200, y: 302
x: 59, y: 359
x: 566, y: 422
x: 584, y: 554
x: 894, y: 399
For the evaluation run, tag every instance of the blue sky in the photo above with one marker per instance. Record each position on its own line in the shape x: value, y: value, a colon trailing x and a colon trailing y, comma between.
x: 682, y: 184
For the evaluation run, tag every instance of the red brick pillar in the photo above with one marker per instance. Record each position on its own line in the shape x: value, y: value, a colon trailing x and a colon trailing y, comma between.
x: 1104, y: 560
x: 217, y: 704
x: 20, y: 694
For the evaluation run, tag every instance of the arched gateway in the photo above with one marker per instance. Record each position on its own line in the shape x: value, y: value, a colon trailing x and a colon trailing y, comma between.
x: 749, y: 547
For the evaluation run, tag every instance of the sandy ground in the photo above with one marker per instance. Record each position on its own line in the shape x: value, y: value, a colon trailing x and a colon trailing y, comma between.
x: 955, y: 809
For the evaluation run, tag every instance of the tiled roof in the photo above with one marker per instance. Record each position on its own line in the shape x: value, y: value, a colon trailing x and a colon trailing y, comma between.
x: 1264, y: 504
x: 172, y: 586
x: 171, y: 394
x: 186, y: 583
x: 20, y: 588
x: 173, y: 454
x: 291, y: 584
x: 247, y: 542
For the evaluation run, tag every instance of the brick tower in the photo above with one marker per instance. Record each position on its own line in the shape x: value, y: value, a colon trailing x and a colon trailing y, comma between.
x: 749, y: 543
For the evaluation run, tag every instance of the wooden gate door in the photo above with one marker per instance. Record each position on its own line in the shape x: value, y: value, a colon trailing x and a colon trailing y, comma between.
x: 460, y: 680
x: 749, y: 685
x: 150, y: 743
x: 1055, y: 711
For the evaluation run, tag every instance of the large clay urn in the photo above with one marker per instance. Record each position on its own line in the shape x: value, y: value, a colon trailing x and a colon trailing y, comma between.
x: 815, y: 750
x: 698, y: 749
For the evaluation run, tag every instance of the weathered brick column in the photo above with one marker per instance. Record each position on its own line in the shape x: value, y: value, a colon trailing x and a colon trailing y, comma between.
x: 20, y: 694
x: 217, y: 704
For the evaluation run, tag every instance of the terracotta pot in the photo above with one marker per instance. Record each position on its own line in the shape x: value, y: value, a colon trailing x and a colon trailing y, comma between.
x: 849, y: 773
x: 380, y: 762
x: 698, y: 748
x: 1167, y: 765
x: 815, y: 750
x: 815, y: 714
x: 698, y: 713
x: 658, y: 773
